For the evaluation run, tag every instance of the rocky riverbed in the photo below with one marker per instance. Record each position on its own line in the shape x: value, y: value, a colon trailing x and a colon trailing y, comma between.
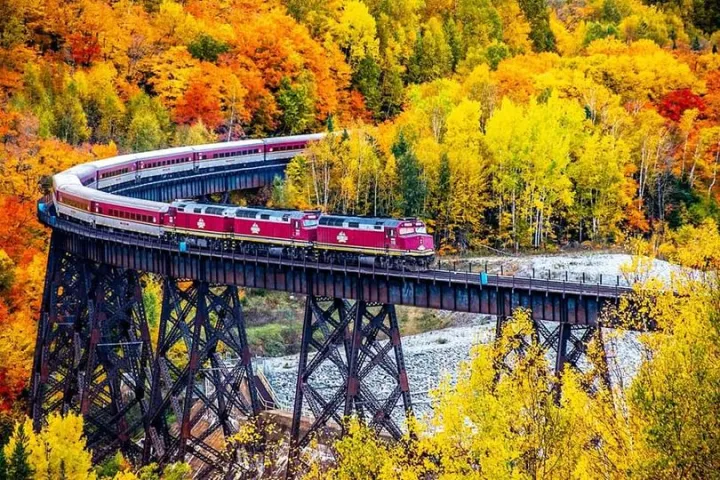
x: 431, y: 356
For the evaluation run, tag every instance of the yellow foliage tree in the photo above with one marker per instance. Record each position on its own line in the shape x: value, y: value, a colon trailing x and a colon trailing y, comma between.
x: 58, y: 447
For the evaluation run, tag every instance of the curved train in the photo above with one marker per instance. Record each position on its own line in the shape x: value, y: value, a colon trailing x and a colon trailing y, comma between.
x: 83, y: 194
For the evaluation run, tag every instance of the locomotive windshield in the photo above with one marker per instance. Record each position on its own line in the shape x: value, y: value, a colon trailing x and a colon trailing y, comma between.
x: 409, y: 230
x: 310, y: 223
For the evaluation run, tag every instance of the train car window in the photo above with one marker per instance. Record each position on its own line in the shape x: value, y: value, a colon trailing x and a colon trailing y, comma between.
x: 407, y: 230
x: 392, y: 233
x: 198, y: 210
x: 310, y: 223
x: 265, y: 216
x: 286, y: 217
x: 354, y: 225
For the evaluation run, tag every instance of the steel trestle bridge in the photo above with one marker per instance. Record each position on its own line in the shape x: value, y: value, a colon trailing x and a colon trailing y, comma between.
x: 180, y: 396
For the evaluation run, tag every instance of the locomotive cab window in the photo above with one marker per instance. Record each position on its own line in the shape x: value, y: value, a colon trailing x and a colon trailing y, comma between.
x: 407, y: 230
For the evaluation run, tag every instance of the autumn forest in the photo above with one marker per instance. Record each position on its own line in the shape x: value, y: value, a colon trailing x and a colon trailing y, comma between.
x: 519, y: 125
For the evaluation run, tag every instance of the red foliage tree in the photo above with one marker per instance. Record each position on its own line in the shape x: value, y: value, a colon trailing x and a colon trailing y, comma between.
x: 199, y: 104
x: 674, y: 104
x: 84, y: 48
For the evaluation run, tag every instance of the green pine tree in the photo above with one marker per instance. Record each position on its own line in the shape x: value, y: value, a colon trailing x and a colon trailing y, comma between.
x: 62, y: 475
x: 696, y: 44
x: 19, y: 466
x: 536, y: 11
x: 412, y: 186
x: 366, y: 79
x: 3, y: 465
x: 297, y: 107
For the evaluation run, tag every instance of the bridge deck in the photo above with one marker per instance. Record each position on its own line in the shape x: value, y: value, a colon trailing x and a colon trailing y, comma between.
x: 438, y: 289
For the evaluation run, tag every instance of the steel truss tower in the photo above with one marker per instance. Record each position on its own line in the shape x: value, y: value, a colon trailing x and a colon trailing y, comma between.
x: 567, y: 342
x: 94, y: 357
x: 203, y: 383
x: 356, y: 368
x: 93, y: 353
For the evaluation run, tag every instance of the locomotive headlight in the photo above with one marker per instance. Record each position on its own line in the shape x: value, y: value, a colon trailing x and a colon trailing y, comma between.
x: 421, y: 247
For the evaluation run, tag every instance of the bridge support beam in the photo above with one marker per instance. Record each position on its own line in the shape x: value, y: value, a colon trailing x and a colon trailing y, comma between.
x: 568, y: 342
x: 203, y: 382
x: 93, y: 353
x: 357, y: 369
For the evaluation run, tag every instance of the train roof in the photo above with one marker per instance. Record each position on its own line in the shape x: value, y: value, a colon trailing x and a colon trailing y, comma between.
x: 163, y: 153
x: 100, y: 196
x: 65, y: 179
x: 240, y: 212
x: 236, y: 144
x: 342, y: 221
x: 294, y: 138
x: 112, y: 161
x: 133, y: 157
